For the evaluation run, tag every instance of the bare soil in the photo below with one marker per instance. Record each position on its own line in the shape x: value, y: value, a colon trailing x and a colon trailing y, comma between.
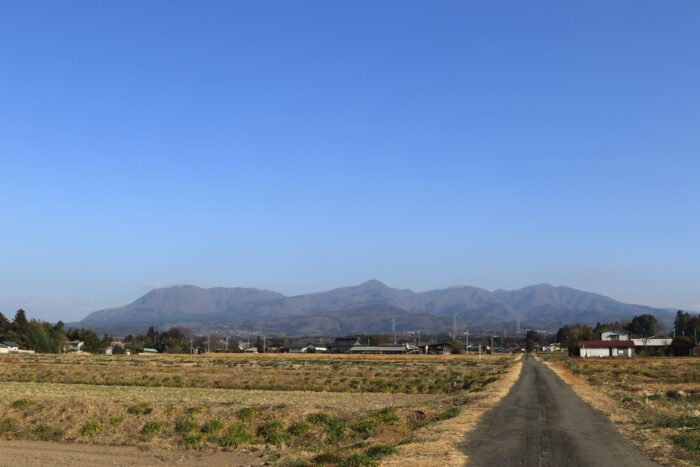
x: 21, y: 453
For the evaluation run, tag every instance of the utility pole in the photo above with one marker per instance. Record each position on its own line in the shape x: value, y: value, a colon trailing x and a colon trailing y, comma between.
x: 467, y: 341
x: 393, y: 328
x: 491, y: 345
x: 479, y: 352
x: 454, y: 327
x: 263, y: 343
x: 209, y: 344
x: 191, y: 345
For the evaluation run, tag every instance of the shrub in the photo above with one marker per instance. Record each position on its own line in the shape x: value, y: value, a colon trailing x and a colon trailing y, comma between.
x: 299, y: 428
x: 319, y: 418
x: 335, y: 431
x: 273, y: 432
x: 689, y: 441
x: 91, y: 429
x: 192, y: 439
x: 358, y: 460
x: 387, y: 415
x: 196, y: 410
x: 186, y: 426
x: 171, y: 410
x: 246, y: 414
x: 43, y: 431
x: 213, y: 427
x: 237, y: 435
x: 21, y: 404
x: 327, y: 458
x: 452, y: 412
x: 7, y: 424
x: 380, y: 450
x: 140, y: 409
x: 116, y: 421
x: 152, y: 427
x: 365, y: 426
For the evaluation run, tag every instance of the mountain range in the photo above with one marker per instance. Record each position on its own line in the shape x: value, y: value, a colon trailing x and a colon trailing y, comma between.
x: 371, y: 307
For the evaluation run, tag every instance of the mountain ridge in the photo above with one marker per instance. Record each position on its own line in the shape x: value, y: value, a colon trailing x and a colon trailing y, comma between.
x: 239, y: 309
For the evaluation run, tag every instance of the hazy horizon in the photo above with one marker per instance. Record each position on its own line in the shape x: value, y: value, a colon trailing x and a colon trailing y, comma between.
x: 300, y: 147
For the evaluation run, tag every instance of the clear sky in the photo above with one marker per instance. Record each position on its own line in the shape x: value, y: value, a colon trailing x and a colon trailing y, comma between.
x: 300, y: 146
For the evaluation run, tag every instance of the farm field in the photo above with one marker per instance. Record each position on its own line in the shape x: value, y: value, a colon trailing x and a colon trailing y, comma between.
x: 278, y: 408
x: 654, y: 401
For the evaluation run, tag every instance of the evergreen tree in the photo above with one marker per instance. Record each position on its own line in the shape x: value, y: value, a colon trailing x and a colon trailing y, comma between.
x: 36, y: 337
x: 19, y: 325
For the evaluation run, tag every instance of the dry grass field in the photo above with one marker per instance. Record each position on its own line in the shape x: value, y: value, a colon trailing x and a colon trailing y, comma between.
x: 654, y: 401
x: 285, y: 409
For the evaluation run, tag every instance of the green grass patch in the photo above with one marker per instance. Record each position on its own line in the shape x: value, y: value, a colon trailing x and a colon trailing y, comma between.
x: 213, y: 427
x: 196, y: 410
x: 7, y: 424
x: 319, y: 418
x: 152, y: 428
x: 116, y: 421
x: 236, y: 436
x: 142, y: 408
x: 246, y: 414
x: 358, y: 460
x: 380, y: 450
x: 21, y: 404
x: 187, y: 426
x: 273, y: 432
x: 299, y: 428
x: 91, y: 429
x: 191, y: 440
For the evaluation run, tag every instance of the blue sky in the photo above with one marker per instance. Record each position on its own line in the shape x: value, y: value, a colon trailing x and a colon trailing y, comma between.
x: 301, y: 146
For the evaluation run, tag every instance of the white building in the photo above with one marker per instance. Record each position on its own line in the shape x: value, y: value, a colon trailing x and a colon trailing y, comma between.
x: 615, y: 335
x: 612, y: 348
x: 7, y: 347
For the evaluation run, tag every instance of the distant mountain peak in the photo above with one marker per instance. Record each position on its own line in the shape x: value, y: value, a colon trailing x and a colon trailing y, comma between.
x: 373, y: 283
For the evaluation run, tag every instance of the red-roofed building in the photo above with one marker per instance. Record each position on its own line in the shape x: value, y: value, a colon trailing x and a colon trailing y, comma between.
x: 606, y: 348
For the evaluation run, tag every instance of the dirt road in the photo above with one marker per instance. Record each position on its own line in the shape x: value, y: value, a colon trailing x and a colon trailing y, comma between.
x: 46, y: 453
x: 542, y: 422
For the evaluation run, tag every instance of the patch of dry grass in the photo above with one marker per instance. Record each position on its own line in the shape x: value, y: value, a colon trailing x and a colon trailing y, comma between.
x: 275, y: 372
x: 357, y: 424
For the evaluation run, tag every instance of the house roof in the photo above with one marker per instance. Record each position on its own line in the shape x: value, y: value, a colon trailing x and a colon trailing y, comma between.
x: 10, y: 344
x: 345, y: 340
x: 379, y: 348
x: 605, y: 344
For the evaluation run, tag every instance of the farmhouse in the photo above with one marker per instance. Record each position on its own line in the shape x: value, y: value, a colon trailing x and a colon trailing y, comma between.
x: 651, y: 344
x: 442, y: 348
x: 7, y: 347
x: 609, y: 348
x: 615, y: 335
x: 72, y: 346
x: 308, y: 348
x: 344, y: 344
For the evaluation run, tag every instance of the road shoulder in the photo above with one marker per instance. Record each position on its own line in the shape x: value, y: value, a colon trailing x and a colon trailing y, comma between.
x: 626, y: 423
